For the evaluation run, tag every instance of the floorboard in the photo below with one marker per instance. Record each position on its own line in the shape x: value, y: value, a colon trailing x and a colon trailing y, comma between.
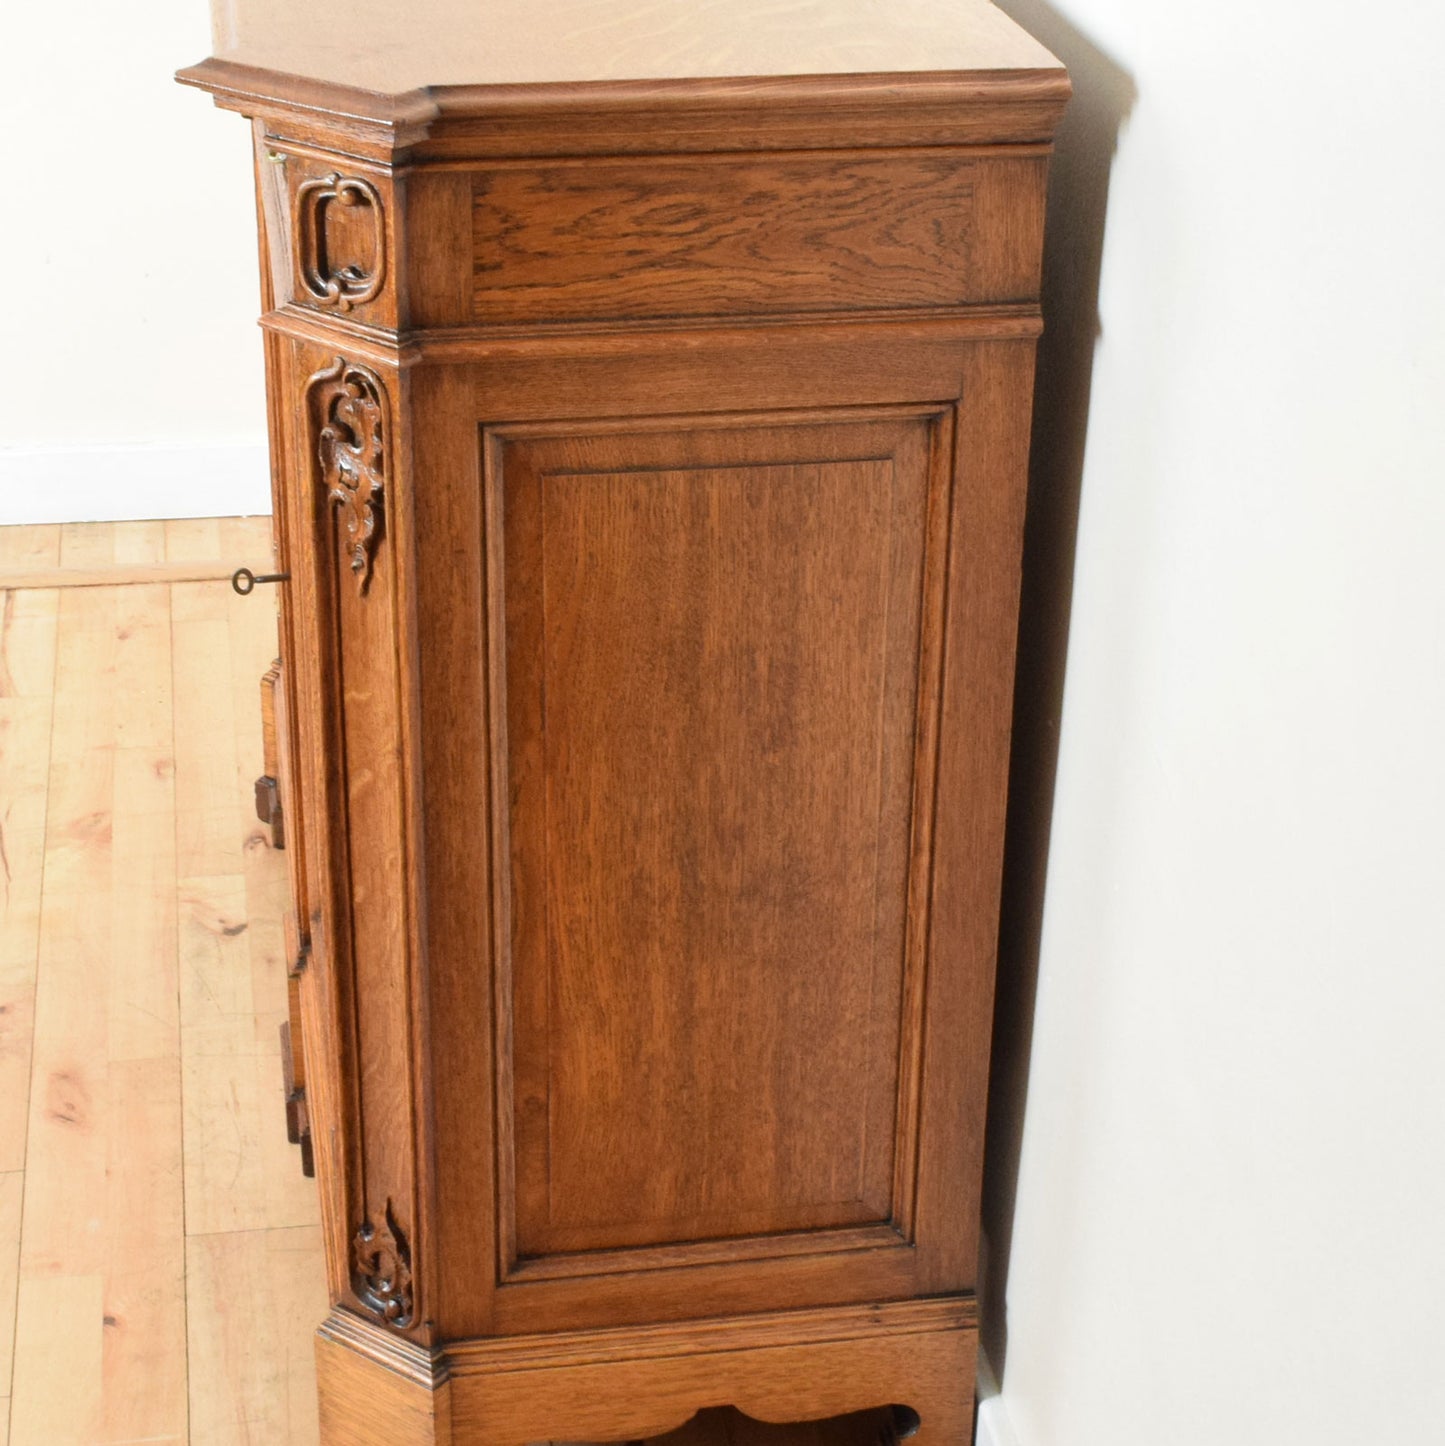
x: 160, y: 1258
x: 161, y: 1269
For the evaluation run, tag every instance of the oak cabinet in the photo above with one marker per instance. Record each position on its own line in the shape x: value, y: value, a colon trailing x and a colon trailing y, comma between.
x: 649, y: 428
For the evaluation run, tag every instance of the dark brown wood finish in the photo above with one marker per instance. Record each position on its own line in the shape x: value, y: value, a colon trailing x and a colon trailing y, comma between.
x: 649, y: 457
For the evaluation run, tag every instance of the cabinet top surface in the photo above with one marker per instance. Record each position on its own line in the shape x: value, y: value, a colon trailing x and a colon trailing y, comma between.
x: 391, y: 46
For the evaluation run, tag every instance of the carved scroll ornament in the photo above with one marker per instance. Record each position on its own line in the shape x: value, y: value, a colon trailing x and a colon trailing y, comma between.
x: 350, y: 418
x: 381, y: 1270
x: 349, y: 284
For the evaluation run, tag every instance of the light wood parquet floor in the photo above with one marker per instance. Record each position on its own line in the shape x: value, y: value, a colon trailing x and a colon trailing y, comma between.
x: 160, y: 1257
x: 161, y: 1273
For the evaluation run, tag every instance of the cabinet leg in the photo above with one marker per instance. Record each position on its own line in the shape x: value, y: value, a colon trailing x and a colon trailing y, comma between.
x: 373, y: 1391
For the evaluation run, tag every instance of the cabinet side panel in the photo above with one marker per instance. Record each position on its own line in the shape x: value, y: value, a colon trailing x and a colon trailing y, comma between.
x: 489, y: 1021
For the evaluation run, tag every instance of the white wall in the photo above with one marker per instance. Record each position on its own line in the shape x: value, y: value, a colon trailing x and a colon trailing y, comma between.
x: 130, y: 377
x: 1230, y: 1223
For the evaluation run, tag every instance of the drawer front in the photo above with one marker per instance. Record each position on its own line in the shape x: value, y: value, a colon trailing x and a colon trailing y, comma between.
x: 754, y: 235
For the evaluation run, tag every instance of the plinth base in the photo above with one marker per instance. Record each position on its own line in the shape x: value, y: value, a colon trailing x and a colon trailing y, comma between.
x: 629, y: 1383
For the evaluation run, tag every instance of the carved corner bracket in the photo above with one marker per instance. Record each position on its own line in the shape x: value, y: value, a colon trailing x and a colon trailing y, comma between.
x: 349, y: 415
x: 381, y: 1269
x: 349, y: 284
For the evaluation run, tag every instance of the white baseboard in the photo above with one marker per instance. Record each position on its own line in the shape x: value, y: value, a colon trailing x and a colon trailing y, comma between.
x: 122, y: 484
x: 994, y: 1426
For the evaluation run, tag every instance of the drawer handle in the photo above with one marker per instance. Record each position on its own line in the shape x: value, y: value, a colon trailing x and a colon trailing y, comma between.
x: 244, y: 581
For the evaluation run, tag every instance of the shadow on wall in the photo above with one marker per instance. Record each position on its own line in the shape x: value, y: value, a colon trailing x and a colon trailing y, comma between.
x: 1073, y: 250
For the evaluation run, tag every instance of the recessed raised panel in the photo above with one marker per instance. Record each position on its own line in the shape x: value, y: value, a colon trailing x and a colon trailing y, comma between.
x: 711, y: 642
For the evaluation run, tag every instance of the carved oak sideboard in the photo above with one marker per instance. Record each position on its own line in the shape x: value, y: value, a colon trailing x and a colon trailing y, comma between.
x: 649, y: 393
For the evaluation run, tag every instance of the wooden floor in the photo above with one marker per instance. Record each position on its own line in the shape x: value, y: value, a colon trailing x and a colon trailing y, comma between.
x: 160, y: 1256
x: 160, y: 1259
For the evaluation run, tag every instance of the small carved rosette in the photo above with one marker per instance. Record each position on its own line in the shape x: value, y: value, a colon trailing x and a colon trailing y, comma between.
x: 381, y: 1270
x: 350, y: 417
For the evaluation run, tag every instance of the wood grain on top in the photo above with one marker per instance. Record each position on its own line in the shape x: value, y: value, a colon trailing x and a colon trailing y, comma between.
x: 389, y: 47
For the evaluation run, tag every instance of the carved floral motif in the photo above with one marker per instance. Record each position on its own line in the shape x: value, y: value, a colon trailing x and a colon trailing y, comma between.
x: 349, y: 402
x: 381, y: 1269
